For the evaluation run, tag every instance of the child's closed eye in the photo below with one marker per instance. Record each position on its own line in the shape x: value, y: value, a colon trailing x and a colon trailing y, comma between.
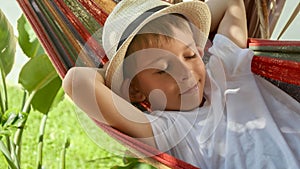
x: 190, y: 57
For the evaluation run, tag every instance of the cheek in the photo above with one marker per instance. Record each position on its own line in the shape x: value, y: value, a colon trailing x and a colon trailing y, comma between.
x: 198, y: 67
x: 164, y: 83
x: 202, y: 72
x: 146, y: 84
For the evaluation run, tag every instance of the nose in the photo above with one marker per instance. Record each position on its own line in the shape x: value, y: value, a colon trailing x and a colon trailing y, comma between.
x: 182, y: 71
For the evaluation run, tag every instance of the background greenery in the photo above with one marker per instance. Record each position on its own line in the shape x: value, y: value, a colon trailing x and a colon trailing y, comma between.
x: 62, y: 123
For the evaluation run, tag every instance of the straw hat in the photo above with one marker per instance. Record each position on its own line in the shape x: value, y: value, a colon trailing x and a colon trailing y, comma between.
x: 129, y: 16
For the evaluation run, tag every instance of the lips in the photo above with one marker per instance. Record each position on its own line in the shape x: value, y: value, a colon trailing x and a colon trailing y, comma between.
x: 193, y: 89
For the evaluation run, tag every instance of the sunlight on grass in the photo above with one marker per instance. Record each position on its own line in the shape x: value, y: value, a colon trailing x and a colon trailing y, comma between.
x: 62, y: 124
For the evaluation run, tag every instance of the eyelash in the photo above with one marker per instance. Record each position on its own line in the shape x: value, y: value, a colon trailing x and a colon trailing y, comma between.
x: 187, y: 58
x: 190, y: 57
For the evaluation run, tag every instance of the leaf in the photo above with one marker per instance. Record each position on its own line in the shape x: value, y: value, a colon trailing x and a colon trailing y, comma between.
x: 7, y: 45
x: 7, y: 156
x: 13, y: 119
x: 6, y: 133
x: 28, y: 40
x: 37, y: 73
x: 45, y: 97
x: 9, y: 116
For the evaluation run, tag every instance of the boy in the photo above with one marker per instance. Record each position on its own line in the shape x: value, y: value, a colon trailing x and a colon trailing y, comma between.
x: 221, y: 116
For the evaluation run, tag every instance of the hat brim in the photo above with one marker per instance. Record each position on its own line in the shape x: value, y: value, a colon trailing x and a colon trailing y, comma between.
x: 196, y: 12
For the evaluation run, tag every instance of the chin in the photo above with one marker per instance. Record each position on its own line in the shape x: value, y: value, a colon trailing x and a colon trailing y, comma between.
x: 191, y: 103
x: 190, y: 106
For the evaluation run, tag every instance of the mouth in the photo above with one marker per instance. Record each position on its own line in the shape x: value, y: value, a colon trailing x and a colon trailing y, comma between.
x: 193, y: 89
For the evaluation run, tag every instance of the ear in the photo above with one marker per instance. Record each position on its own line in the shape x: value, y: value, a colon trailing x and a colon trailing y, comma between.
x: 131, y: 92
x: 135, y: 94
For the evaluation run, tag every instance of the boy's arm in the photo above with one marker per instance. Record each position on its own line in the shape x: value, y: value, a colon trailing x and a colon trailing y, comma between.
x: 86, y: 88
x: 233, y: 24
x: 217, y: 9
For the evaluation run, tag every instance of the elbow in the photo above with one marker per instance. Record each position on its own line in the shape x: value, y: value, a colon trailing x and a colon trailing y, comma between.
x: 78, y: 80
x: 238, y: 36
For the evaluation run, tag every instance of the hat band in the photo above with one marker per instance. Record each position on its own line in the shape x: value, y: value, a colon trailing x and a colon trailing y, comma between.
x: 131, y: 27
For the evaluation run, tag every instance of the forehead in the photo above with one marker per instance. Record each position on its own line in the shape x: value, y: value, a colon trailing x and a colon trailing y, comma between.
x: 179, y: 40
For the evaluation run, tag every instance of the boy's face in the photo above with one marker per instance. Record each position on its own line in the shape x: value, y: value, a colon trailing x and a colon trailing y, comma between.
x: 171, y: 77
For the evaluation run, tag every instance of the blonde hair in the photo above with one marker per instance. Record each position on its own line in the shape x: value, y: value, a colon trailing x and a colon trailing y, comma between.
x: 158, y: 32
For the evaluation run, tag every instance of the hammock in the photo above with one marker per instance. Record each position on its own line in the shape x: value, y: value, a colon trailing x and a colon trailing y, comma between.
x: 70, y: 32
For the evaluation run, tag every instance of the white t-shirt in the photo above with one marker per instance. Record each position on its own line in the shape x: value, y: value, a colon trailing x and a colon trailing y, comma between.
x: 246, y: 121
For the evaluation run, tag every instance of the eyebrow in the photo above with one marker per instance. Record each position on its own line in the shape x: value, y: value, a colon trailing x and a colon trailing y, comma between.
x: 190, y: 45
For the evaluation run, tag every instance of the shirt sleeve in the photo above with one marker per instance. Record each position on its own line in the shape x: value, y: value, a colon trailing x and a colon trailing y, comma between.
x: 235, y: 60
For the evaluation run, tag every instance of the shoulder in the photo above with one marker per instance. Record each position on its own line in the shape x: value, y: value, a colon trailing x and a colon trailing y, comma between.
x: 229, y: 56
x: 222, y: 44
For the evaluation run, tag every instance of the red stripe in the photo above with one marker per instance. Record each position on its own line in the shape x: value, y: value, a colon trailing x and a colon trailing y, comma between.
x: 282, y: 70
x: 34, y: 22
x: 97, y: 12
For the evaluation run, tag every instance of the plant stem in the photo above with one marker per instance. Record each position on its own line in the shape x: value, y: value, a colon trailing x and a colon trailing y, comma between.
x: 41, y: 141
x: 1, y: 106
x: 24, y: 99
x: 3, y: 109
x: 8, y: 141
x: 19, y: 132
x: 7, y: 156
x: 13, y: 155
x: 63, y: 154
x: 4, y: 103
x: 5, y: 92
x: 63, y: 159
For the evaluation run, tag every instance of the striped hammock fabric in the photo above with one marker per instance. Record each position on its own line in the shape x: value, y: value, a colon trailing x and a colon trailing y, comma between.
x: 70, y: 31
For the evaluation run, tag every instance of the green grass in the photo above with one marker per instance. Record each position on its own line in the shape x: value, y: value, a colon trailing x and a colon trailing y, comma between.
x: 63, y: 123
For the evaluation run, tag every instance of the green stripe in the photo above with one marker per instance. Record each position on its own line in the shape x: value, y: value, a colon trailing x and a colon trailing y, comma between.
x: 283, y: 49
x: 279, y: 55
